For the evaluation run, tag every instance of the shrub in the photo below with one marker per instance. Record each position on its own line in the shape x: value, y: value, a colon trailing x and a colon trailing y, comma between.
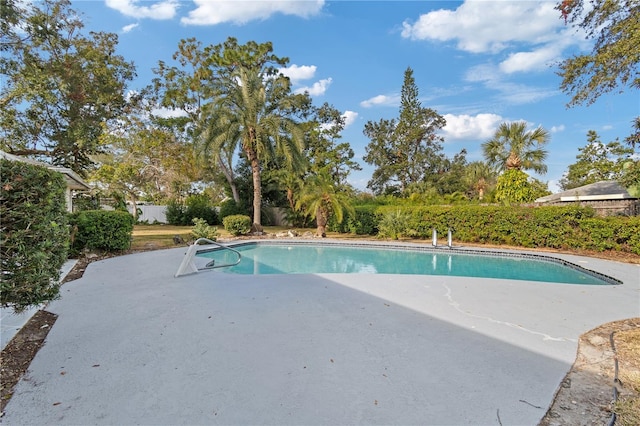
x: 102, y: 230
x: 363, y: 221
x: 199, y: 206
x: 175, y: 213
x: 195, y: 206
x: 229, y: 208
x: 237, y: 224
x: 203, y: 230
x: 394, y: 225
x: 34, y: 234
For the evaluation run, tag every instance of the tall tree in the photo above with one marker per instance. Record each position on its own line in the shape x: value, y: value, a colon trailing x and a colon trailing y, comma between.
x: 61, y: 87
x: 596, y: 162
x: 254, y: 109
x: 514, y: 147
x: 408, y: 150
x: 614, y: 26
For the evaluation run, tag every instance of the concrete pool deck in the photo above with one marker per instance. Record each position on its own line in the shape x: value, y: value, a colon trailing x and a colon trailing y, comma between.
x: 134, y: 345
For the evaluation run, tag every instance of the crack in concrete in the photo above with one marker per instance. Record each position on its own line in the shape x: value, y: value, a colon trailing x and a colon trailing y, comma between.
x: 544, y: 336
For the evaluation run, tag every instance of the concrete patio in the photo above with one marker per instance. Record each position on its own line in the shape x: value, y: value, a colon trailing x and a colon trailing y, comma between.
x: 134, y: 345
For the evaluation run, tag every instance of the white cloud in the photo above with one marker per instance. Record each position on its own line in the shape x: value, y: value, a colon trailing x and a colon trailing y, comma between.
x: 212, y: 12
x: 557, y: 129
x: 488, y: 26
x: 317, y: 89
x: 129, y: 28
x: 165, y: 9
x: 168, y: 113
x: 607, y: 127
x: 508, y: 93
x: 536, y: 60
x: 349, y: 118
x: 297, y: 73
x: 381, y: 100
x: 480, y: 126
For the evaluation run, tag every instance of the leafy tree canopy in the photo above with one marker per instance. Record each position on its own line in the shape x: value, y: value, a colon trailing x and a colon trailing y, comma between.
x: 60, y: 86
x: 614, y: 26
x: 514, y: 147
x: 596, y: 162
x: 407, y: 150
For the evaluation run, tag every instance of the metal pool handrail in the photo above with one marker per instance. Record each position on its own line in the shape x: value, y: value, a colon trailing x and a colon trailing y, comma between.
x: 188, y: 265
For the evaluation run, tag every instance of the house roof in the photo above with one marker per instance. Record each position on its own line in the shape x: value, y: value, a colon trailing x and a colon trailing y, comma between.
x: 599, y: 191
x: 74, y: 181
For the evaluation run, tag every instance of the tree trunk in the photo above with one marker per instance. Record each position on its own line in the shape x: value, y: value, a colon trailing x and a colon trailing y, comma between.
x: 321, y: 221
x: 229, y: 176
x: 257, y: 185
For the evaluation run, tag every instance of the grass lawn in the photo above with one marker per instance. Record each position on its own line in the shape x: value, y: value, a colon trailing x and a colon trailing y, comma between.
x: 161, y: 236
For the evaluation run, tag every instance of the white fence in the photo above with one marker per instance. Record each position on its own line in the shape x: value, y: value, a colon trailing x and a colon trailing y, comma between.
x: 152, y: 214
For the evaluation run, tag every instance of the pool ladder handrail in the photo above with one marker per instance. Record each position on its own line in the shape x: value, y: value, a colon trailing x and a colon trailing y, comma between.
x: 188, y: 265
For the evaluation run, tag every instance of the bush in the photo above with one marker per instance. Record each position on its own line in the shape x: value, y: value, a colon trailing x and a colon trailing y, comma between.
x: 34, y: 234
x: 195, y: 206
x: 229, y: 208
x: 202, y: 230
x: 393, y: 225
x: 237, y: 224
x: 200, y: 207
x: 102, y: 230
x: 175, y: 213
x: 363, y: 221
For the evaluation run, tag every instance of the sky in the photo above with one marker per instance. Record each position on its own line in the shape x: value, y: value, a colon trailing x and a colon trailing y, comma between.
x: 477, y: 63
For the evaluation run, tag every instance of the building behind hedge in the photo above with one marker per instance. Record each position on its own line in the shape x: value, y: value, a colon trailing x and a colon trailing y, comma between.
x: 73, y: 180
x: 607, y: 198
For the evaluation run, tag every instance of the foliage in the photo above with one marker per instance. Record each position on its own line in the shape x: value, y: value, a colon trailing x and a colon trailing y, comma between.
x: 514, y: 147
x: 479, y: 178
x: 248, y: 105
x: 406, y: 151
x: 195, y: 206
x: 237, y: 224
x: 230, y: 207
x: 363, y: 220
x: 513, y: 186
x: 202, y: 230
x: 613, y: 62
x: 596, y: 162
x: 146, y: 158
x: 321, y: 200
x: 59, y: 86
x: 323, y: 152
x: 394, y: 225
x: 557, y: 227
x: 34, y: 236
x: 101, y: 230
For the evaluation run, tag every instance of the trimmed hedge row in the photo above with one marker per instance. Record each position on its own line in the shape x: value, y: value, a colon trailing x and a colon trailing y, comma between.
x: 34, y: 237
x: 101, y: 230
x: 552, y: 227
x: 364, y: 221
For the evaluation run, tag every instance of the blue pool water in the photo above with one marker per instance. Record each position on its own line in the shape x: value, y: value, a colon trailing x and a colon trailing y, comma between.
x: 262, y: 258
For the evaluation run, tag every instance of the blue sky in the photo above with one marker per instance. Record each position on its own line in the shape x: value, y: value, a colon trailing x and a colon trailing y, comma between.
x: 478, y: 63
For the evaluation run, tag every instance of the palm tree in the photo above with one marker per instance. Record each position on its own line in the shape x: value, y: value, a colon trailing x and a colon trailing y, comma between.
x: 515, y: 147
x: 320, y: 199
x: 479, y: 176
x: 249, y: 112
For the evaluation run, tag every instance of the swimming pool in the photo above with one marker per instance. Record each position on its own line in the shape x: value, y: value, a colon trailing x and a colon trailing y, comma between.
x: 324, y: 258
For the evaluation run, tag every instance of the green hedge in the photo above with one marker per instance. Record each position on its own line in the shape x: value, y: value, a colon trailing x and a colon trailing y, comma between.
x: 102, y: 230
x: 195, y: 207
x: 34, y: 238
x: 558, y: 227
x: 364, y: 221
x: 237, y: 224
